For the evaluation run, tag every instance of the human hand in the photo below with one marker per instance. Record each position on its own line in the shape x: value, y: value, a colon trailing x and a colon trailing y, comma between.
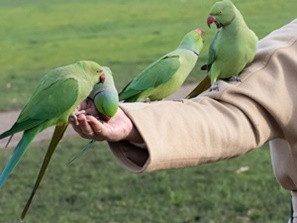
x: 118, y: 128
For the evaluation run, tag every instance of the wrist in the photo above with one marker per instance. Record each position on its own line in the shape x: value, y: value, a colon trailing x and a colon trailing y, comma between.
x: 133, y: 134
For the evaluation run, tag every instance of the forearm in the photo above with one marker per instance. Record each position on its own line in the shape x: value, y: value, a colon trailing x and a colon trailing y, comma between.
x: 181, y: 134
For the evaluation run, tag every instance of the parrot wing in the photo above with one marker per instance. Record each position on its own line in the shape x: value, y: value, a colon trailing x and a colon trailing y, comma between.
x: 52, y: 101
x: 33, y: 122
x: 45, y: 104
x: 156, y: 74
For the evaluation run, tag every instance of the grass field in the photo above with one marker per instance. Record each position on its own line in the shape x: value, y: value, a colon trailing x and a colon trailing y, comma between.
x: 127, y: 35
x: 95, y: 189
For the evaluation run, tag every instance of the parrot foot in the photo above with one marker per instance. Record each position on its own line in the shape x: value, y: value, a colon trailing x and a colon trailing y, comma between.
x: 75, y: 114
x: 147, y: 100
x: 179, y: 100
x: 235, y: 78
x: 214, y: 87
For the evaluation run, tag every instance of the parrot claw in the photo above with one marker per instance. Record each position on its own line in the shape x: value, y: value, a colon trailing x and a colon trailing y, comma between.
x: 214, y: 87
x: 235, y: 78
x: 147, y: 100
x: 179, y: 100
x: 75, y: 114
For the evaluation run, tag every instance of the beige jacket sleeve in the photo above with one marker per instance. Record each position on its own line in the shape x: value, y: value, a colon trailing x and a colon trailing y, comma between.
x: 218, y: 125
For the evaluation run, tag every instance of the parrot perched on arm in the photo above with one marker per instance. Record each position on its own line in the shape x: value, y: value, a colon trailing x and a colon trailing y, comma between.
x: 56, y: 97
x: 166, y: 75
x: 106, y: 100
x: 232, y: 48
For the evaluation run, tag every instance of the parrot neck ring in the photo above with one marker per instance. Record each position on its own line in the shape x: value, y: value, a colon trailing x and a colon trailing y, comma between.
x: 197, y: 54
x: 98, y: 92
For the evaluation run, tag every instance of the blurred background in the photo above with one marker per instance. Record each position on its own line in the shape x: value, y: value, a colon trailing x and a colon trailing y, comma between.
x: 126, y: 35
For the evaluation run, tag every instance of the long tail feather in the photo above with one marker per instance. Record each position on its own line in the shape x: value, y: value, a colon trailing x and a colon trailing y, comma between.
x: 18, y: 152
x: 10, y: 138
x: 202, y: 86
x: 6, y: 134
x: 82, y: 151
x: 58, y: 134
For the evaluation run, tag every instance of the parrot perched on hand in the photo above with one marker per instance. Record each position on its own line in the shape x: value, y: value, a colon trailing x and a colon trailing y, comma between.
x: 232, y: 48
x: 164, y: 76
x: 105, y: 96
x: 106, y: 100
x: 56, y: 97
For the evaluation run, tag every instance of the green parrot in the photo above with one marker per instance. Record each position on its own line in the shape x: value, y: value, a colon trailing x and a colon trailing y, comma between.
x: 164, y: 76
x: 106, y: 100
x: 105, y: 96
x: 232, y: 48
x: 56, y: 97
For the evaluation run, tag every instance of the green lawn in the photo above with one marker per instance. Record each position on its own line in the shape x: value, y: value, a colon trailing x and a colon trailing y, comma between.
x: 127, y: 35
x: 96, y: 189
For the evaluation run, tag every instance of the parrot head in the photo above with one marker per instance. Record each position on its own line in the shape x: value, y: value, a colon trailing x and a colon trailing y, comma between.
x: 107, y: 103
x: 105, y: 95
x: 106, y: 78
x: 105, y: 81
x: 221, y: 13
x: 193, y: 41
x: 93, y: 71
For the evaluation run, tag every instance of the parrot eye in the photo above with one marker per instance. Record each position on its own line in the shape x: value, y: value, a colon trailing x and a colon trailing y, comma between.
x: 220, y: 12
x: 97, y: 71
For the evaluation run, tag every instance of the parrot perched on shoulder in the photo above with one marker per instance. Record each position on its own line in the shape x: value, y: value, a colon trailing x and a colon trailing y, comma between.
x: 56, y: 97
x: 106, y: 100
x: 166, y: 75
x: 232, y: 48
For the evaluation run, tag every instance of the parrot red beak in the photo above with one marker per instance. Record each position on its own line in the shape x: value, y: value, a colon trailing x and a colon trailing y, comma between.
x: 102, y: 78
x: 211, y: 19
x: 200, y: 31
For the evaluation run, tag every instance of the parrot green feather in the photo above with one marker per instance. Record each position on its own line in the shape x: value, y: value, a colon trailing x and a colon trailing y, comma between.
x: 232, y: 48
x: 57, y: 95
x: 164, y: 76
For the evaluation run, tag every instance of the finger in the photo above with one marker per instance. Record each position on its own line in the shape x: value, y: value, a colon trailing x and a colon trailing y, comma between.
x: 77, y: 128
x: 98, y: 128
x: 84, y: 129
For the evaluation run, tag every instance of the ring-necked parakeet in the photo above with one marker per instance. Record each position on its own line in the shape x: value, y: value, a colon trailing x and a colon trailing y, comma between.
x: 57, y: 95
x: 106, y: 100
x: 166, y: 75
x: 232, y: 48
x: 105, y: 96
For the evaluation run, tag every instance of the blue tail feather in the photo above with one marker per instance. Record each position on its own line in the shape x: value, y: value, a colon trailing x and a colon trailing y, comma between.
x: 18, y: 152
